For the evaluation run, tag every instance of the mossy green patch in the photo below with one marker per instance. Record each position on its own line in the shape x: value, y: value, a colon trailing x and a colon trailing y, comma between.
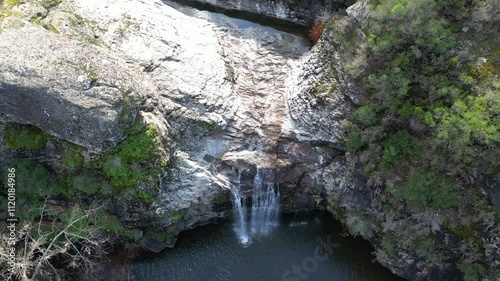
x: 176, y: 215
x: 463, y: 231
x: 473, y: 272
x: 19, y: 136
x: 47, y: 4
x: 52, y: 28
x: 389, y: 246
x: 111, y: 224
x: 72, y: 159
x: 33, y: 180
x: 135, y: 159
x: 496, y: 211
x: 426, y: 249
x: 11, y: 3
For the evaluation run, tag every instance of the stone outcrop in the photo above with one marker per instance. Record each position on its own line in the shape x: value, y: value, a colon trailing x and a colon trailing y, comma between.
x: 215, y: 91
x: 225, y: 98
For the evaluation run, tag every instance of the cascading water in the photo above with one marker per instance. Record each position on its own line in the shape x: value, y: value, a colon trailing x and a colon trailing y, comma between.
x: 239, y: 213
x: 265, y: 204
x: 264, y: 211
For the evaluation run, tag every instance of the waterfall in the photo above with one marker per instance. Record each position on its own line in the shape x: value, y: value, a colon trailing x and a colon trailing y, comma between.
x: 239, y: 213
x: 265, y: 204
x: 264, y: 211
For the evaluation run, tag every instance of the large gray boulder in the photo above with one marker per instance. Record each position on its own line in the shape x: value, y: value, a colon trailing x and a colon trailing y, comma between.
x: 70, y: 89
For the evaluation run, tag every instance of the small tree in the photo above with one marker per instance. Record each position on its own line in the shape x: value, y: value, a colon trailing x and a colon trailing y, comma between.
x: 71, y: 241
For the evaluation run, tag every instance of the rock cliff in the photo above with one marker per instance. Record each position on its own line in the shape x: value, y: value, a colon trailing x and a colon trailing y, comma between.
x: 221, y: 96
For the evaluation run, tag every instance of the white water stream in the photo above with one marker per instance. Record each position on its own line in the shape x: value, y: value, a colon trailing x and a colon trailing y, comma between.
x: 262, y: 217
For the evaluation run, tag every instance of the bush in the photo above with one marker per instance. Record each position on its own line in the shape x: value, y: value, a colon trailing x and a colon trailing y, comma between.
x: 18, y: 136
x: 366, y: 115
x: 33, y: 180
x: 72, y: 159
x: 427, y: 250
x: 389, y: 246
x: 429, y: 189
x: 47, y: 4
x: 359, y: 224
x: 401, y: 144
x: 473, y: 272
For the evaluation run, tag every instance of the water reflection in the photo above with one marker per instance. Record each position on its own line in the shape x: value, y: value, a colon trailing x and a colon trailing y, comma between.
x: 300, y: 248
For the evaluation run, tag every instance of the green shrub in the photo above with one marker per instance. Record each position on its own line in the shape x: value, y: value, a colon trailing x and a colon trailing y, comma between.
x: 473, y: 272
x: 175, y: 215
x: 401, y: 144
x: 33, y: 180
x: 156, y: 235
x: 134, y: 159
x: 145, y: 196
x: 429, y: 189
x: 496, y: 211
x: 141, y: 144
x: 389, y: 246
x: 111, y: 224
x: 359, y: 224
x: 72, y: 159
x: 426, y: 249
x: 366, y: 115
x: 18, y: 136
x: 353, y: 141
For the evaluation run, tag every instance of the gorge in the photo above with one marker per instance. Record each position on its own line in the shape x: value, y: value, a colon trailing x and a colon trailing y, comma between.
x: 220, y: 123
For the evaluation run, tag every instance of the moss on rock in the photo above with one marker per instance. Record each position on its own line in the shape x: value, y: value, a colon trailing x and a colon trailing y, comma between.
x: 19, y: 136
x: 72, y: 159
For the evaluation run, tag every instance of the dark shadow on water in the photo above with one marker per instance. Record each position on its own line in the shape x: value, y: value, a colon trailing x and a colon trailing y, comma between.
x: 263, y: 20
x: 310, y: 246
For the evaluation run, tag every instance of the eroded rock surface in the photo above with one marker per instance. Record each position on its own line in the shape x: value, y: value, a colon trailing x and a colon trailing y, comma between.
x: 227, y: 98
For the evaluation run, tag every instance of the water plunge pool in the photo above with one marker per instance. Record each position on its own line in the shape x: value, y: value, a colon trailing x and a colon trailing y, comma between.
x: 310, y: 247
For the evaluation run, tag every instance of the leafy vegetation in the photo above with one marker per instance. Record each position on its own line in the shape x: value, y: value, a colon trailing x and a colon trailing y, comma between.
x: 496, y: 211
x: 430, y: 121
x: 401, y: 144
x: 86, y: 182
x: 359, y: 224
x: 11, y: 3
x: 46, y: 248
x: 72, y: 159
x: 473, y: 272
x: 19, y: 136
x: 389, y: 246
x: 128, y: 162
x: 430, y: 109
x: 33, y: 180
x: 429, y: 189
